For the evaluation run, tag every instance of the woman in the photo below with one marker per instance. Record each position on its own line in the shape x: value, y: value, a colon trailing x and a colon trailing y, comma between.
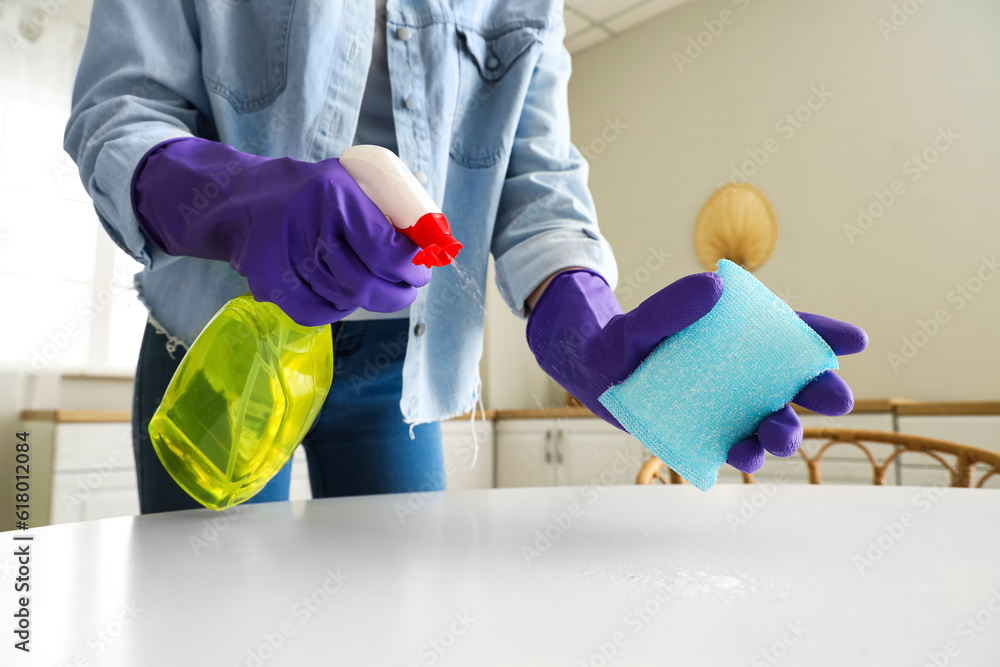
x: 206, y: 132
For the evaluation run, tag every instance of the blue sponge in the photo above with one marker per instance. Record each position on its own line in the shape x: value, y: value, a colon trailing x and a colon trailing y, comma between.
x: 710, y: 385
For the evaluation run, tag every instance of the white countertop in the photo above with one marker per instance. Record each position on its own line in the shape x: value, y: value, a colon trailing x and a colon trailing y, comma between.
x: 742, y: 575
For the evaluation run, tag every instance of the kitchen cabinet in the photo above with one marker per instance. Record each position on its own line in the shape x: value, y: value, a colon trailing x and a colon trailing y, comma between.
x: 526, y: 454
x: 83, y: 468
x: 80, y: 471
x: 86, y: 470
x: 578, y: 451
x: 592, y: 452
x: 93, y: 472
x: 565, y: 452
x: 464, y: 467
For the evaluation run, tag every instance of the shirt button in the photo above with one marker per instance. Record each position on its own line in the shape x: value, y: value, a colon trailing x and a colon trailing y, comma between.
x: 492, y: 62
x: 419, y: 329
x: 420, y: 176
x: 410, y: 103
x: 404, y: 33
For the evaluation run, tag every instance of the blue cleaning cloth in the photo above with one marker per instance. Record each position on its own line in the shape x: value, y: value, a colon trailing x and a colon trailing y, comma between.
x: 707, y: 387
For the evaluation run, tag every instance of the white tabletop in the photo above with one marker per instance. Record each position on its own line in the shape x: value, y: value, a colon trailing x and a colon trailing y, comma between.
x: 742, y: 575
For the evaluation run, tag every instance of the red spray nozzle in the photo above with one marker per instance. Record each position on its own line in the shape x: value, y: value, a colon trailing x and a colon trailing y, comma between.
x: 432, y: 233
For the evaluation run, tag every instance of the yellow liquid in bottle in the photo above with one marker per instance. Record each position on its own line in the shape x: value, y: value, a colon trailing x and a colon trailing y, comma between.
x: 241, y: 400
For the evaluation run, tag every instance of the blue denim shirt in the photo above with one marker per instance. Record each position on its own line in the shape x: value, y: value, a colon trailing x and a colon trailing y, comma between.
x: 480, y: 109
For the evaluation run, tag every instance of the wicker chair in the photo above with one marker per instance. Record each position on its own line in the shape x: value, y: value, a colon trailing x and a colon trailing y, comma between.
x: 962, y: 469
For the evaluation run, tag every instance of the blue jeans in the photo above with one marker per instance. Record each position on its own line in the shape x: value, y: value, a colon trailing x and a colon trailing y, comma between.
x: 358, y: 444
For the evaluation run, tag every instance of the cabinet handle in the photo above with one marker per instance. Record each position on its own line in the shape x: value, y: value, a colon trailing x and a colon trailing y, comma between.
x: 548, y: 446
x: 559, y: 455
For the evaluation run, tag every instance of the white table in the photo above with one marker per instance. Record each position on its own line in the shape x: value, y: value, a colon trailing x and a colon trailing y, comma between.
x: 653, y: 575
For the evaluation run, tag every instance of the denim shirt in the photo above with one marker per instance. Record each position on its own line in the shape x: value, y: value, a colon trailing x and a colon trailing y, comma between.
x: 481, y: 118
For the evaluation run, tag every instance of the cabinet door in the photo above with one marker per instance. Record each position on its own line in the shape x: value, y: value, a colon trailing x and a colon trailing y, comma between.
x: 591, y: 452
x: 97, y: 446
x: 93, y: 472
x: 93, y: 495
x: 465, y: 467
x: 981, y: 431
x: 525, y: 452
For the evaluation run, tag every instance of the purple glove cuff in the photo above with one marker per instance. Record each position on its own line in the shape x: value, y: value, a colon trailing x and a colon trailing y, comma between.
x: 145, y: 225
x: 566, y: 319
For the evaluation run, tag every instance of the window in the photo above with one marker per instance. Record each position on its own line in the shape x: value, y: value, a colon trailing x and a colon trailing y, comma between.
x: 67, y: 289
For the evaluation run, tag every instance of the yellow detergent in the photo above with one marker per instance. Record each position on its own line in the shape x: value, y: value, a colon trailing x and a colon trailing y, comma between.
x: 240, y: 401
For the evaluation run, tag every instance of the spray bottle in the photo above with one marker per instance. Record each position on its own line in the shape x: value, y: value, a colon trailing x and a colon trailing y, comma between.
x: 253, y: 382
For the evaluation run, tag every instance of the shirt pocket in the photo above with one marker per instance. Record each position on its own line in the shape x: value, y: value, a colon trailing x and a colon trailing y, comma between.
x: 494, y: 69
x: 245, y: 50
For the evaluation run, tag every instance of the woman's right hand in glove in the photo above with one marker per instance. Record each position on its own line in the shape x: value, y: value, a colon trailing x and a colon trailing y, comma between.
x: 303, y: 234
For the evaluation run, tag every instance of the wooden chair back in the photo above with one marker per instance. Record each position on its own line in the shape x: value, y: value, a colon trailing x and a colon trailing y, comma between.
x: 959, y: 460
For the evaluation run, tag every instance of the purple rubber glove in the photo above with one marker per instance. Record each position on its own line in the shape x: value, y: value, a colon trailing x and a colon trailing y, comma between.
x: 303, y: 233
x: 781, y: 433
x: 582, y: 339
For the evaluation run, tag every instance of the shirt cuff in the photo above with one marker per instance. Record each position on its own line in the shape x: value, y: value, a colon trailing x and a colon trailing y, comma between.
x: 112, y: 190
x: 526, y: 266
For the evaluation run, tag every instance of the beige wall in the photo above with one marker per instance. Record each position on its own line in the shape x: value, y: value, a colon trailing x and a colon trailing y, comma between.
x: 663, y: 134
